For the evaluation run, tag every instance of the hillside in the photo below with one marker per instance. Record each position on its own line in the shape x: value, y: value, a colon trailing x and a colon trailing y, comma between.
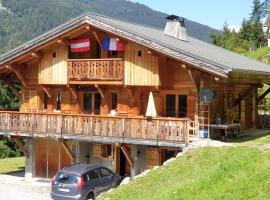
x: 237, y: 172
x: 25, y: 19
x: 261, y: 54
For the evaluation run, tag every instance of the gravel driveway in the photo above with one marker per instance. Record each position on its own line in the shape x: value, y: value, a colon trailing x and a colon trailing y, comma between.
x: 15, y: 187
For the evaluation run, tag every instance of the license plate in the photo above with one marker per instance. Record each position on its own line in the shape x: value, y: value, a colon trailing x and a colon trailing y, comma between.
x: 63, y: 190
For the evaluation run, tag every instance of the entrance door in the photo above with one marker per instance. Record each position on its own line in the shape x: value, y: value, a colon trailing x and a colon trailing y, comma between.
x: 123, y: 163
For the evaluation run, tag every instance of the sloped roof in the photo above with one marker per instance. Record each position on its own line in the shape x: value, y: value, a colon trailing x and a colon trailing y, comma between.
x: 198, y: 53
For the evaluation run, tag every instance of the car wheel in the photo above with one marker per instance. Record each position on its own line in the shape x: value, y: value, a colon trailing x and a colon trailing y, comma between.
x: 90, y: 196
x: 114, y: 184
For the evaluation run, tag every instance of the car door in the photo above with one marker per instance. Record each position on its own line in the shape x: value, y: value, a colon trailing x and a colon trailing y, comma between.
x: 107, y: 178
x: 93, y: 181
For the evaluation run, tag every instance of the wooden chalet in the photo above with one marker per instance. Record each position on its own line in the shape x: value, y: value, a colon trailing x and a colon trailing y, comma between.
x: 90, y: 107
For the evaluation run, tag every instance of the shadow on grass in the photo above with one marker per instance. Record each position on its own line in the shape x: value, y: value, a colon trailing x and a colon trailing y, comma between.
x: 248, y: 138
x: 17, y: 173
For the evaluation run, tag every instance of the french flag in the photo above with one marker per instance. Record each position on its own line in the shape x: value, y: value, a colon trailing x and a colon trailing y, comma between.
x: 113, y: 44
x: 81, y: 45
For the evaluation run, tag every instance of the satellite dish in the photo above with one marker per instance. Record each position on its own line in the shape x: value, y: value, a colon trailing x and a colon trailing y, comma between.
x: 206, y: 95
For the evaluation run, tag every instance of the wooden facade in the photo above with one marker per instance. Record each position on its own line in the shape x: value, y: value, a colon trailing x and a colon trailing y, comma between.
x: 98, y: 98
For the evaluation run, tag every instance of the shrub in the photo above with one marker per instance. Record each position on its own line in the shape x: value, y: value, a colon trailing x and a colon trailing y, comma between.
x: 8, y: 149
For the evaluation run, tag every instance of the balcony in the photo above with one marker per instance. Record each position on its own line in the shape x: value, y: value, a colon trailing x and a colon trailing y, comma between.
x: 131, y: 130
x: 100, y: 71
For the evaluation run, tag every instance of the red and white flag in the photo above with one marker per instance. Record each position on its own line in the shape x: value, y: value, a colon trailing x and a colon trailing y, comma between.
x: 81, y: 45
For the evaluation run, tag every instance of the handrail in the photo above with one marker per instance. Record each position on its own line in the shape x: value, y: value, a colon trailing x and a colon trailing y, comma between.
x: 96, y: 59
x: 138, y: 128
x: 99, y: 116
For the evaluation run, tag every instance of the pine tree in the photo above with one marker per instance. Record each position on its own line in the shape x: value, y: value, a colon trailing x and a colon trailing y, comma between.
x: 256, y: 13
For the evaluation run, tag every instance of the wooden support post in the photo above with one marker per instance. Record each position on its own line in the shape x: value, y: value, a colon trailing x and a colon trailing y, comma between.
x: 260, y: 98
x: 18, y: 73
x: 47, y: 91
x: 125, y: 151
x: 73, y: 92
x: 68, y: 151
x: 12, y: 88
x: 100, y: 91
x: 19, y: 143
x: 131, y: 95
x: 97, y: 38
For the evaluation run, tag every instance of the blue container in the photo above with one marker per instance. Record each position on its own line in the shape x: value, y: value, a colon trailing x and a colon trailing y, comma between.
x: 203, y: 133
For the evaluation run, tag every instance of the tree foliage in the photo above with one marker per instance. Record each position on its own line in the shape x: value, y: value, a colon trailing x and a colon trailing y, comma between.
x: 250, y: 34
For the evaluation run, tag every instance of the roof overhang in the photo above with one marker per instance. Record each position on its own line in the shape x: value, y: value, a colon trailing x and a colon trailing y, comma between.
x: 212, y: 68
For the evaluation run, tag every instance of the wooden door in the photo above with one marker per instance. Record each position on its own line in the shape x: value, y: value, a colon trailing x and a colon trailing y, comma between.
x: 41, y: 157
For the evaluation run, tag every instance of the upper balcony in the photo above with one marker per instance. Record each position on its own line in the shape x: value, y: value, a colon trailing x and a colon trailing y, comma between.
x: 98, y: 71
x: 130, y: 130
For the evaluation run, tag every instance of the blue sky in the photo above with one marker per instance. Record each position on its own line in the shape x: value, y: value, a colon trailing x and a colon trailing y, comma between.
x: 210, y: 12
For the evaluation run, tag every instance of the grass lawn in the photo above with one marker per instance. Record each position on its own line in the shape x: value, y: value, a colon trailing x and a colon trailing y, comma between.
x: 238, y: 172
x: 8, y: 165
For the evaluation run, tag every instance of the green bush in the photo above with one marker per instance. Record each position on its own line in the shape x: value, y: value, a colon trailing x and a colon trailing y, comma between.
x: 8, y: 149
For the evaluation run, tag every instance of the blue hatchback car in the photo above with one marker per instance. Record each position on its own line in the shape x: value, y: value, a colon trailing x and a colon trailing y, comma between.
x: 82, y: 181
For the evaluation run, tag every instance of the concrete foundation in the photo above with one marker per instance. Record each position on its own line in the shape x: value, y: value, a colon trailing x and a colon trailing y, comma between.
x: 30, y: 161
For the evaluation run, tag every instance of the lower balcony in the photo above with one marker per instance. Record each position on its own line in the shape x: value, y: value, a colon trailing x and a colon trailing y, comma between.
x: 130, y: 130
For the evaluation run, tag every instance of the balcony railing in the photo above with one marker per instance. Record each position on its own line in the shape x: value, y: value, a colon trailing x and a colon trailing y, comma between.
x: 96, y: 69
x: 174, y: 130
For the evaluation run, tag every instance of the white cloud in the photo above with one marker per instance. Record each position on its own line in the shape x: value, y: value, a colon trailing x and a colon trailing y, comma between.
x: 236, y: 28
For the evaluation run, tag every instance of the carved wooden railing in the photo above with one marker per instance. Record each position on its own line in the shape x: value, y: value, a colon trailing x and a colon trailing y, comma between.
x: 157, y: 129
x: 111, y: 69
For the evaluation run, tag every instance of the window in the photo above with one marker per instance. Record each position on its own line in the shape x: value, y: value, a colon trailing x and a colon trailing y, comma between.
x: 98, y: 50
x: 170, y: 105
x: 176, y: 105
x: 58, y: 100
x: 91, y: 103
x: 87, y: 103
x: 45, y: 101
x: 91, y: 175
x: 182, y: 106
x: 66, y: 178
x: 106, y: 150
x: 105, y: 172
x: 97, y: 102
x: 114, y: 101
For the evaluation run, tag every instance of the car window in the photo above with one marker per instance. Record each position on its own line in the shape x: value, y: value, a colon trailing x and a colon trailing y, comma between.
x: 66, y: 178
x: 91, y: 175
x: 105, y: 172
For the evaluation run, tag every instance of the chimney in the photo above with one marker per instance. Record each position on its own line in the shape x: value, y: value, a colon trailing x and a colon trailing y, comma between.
x: 176, y: 28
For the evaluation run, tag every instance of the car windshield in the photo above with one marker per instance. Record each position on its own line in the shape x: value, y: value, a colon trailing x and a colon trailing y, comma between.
x: 66, y: 178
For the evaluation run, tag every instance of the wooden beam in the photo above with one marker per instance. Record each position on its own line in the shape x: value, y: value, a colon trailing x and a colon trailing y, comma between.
x: 100, y: 91
x: 18, y: 73
x: 243, y: 95
x: 68, y: 151
x: 73, y: 92
x: 12, y: 88
x: 64, y: 42
x: 36, y: 55
x: 193, y: 78
x: 19, y: 143
x: 260, y: 98
x: 125, y: 151
x: 97, y: 38
x: 47, y: 91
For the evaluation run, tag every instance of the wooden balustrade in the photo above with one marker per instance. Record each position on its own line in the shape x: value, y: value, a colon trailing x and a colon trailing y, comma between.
x: 138, y: 128
x: 96, y: 69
